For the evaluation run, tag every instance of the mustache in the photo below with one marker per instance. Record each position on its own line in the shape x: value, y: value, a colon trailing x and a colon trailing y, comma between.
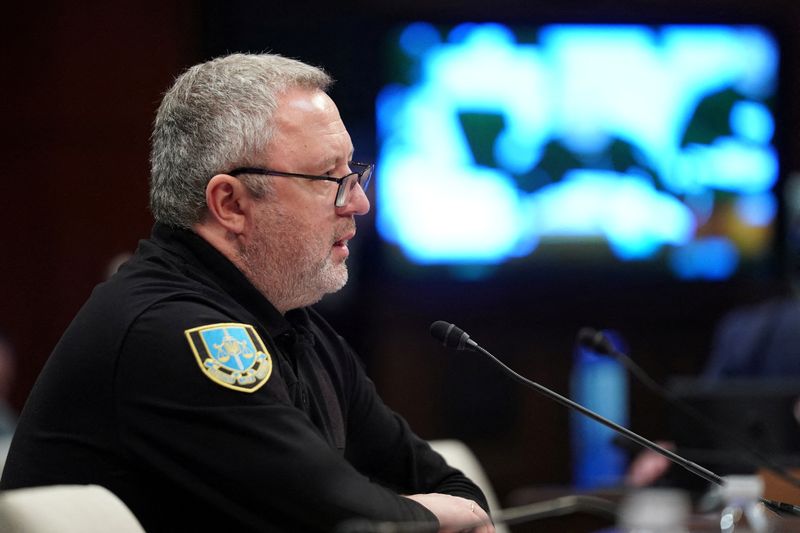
x: 346, y: 230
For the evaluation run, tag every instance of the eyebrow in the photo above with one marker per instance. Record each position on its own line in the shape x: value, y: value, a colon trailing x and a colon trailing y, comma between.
x: 331, y: 161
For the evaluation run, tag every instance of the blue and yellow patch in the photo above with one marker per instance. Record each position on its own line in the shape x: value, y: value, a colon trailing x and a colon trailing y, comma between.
x: 232, y: 355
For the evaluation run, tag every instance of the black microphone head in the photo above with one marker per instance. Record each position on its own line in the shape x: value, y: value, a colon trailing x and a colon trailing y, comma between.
x: 450, y: 335
x: 439, y: 330
x: 595, y: 340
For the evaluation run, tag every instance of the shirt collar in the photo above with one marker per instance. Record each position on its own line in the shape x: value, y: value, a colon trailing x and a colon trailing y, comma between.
x: 201, y: 254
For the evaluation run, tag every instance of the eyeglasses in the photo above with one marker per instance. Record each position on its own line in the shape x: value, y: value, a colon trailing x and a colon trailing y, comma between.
x: 362, y: 173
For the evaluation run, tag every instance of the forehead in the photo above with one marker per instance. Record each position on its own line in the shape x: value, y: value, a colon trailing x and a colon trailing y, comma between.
x: 308, y: 129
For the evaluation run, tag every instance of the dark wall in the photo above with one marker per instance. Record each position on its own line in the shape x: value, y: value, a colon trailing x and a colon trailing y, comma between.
x: 79, y: 98
x: 81, y: 85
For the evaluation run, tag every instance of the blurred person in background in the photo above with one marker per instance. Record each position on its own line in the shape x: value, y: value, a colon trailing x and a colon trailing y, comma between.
x: 754, y: 341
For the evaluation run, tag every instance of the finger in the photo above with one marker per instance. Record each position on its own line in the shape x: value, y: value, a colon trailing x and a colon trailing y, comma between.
x: 487, y: 521
x: 482, y: 520
x: 484, y: 528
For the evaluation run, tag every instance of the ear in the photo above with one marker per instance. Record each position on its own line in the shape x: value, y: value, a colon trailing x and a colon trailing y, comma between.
x: 228, y: 202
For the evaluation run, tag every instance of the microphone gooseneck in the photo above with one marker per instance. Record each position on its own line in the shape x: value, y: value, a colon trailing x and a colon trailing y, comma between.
x: 600, y: 343
x: 454, y: 337
x: 439, y: 326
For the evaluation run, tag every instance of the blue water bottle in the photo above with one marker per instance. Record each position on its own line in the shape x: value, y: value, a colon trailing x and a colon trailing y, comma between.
x: 600, y: 383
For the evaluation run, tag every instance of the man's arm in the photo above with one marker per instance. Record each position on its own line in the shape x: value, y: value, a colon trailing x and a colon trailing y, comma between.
x: 251, y: 457
x: 381, y: 445
x: 455, y: 514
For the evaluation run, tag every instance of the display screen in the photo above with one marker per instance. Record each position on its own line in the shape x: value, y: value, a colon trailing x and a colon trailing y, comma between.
x: 618, y: 146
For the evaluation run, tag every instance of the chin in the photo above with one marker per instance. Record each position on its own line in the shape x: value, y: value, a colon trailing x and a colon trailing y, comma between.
x: 338, y: 279
x: 333, y: 276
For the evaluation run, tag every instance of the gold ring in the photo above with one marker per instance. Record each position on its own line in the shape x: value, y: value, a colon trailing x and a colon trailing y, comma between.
x: 472, y: 507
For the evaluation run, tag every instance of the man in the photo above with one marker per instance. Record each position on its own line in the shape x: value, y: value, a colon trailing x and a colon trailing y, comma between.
x: 197, y: 384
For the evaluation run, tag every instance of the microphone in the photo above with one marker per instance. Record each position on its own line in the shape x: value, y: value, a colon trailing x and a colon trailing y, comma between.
x: 454, y: 337
x: 451, y: 337
x: 598, y: 342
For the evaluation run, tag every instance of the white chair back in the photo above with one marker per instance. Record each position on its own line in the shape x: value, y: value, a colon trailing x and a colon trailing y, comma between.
x: 458, y: 455
x: 65, y: 509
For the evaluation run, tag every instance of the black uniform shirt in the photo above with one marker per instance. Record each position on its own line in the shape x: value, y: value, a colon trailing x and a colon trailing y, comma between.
x: 125, y: 402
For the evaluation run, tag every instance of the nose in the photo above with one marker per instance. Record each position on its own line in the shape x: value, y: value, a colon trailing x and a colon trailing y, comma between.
x: 357, y: 203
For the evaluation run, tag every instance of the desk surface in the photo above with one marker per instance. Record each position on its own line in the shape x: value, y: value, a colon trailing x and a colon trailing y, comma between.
x: 588, y: 522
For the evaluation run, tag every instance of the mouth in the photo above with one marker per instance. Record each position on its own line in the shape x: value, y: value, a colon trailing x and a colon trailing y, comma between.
x: 342, y: 242
x: 340, y: 245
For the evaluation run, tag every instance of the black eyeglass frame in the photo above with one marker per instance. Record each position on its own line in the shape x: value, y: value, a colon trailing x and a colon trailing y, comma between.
x: 367, y: 170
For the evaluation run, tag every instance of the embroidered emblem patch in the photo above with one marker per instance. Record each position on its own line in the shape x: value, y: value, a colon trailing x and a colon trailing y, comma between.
x: 232, y: 355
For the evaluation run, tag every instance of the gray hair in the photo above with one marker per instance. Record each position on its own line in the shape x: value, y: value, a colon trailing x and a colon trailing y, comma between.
x: 217, y: 116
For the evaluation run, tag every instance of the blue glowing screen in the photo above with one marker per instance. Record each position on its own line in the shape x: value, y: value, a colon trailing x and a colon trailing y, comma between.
x: 652, y: 143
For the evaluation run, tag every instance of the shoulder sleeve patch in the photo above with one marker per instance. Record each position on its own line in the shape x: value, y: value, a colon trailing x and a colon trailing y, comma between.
x: 231, y: 355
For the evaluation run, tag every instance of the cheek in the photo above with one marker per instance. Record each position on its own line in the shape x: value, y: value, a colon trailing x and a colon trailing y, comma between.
x: 316, y: 231
x: 320, y: 223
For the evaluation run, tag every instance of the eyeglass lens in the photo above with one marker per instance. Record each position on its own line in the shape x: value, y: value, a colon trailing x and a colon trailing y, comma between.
x: 346, y: 187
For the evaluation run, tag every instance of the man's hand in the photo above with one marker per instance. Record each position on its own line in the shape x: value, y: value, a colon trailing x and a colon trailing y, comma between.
x: 455, y: 514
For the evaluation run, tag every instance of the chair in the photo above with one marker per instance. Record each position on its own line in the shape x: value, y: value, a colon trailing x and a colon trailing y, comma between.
x: 458, y: 455
x: 65, y: 509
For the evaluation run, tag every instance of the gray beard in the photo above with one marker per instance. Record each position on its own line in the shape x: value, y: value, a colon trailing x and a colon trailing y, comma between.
x: 284, y: 271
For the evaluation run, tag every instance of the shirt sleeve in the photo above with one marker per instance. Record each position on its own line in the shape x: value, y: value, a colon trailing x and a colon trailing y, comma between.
x: 253, y: 458
x: 382, y: 445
